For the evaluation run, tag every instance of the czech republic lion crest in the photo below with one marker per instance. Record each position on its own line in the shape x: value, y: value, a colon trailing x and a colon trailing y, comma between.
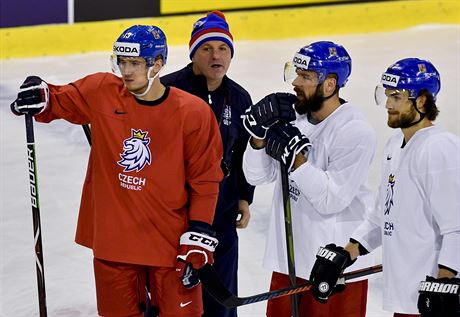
x: 390, y: 194
x: 136, y: 153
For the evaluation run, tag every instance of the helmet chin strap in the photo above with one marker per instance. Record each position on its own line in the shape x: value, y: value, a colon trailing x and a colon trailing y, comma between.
x: 422, y: 115
x: 322, y: 97
x: 150, y: 79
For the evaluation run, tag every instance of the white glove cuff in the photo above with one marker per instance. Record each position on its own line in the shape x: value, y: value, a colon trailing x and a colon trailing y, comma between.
x: 200, y: 240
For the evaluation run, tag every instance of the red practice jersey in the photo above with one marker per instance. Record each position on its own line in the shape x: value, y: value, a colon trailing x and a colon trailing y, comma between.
x: 152, y: 168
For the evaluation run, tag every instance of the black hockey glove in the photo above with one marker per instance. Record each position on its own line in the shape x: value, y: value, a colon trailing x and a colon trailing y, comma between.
x: 330, y: 263
x: 32, y: 97
x: 269, y: 110
x: 439, y: 297
x: 284, y: 142
x: 196, y: 249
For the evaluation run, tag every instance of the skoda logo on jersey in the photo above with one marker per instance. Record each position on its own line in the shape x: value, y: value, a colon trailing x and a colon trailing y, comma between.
x: 126, y: 49
x: 136, y: 153
x: 390, y: 80
x: 301, y: 61
x: 390, y: 194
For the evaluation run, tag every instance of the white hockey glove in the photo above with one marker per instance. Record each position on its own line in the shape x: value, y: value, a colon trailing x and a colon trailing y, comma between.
x: 196, y: 249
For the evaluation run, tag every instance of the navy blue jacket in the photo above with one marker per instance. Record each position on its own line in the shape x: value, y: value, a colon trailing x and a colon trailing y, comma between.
x: 228, y: 102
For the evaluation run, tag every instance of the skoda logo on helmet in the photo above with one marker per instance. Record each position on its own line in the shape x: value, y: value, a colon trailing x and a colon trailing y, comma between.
x: 301, y: 61
x: 390, y: 80
x: 126, y: 49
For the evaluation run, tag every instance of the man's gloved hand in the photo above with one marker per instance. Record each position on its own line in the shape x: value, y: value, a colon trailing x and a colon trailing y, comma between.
x: 269, y: 110
x: 196, y: 249
x: 439, y: 297
x: 330, y: 263
x: 284, y: 142
x: 32, y: 97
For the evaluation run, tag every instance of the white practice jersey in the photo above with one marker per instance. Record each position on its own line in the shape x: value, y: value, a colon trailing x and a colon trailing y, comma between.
x: 417, y: 214
x: 328, y: 194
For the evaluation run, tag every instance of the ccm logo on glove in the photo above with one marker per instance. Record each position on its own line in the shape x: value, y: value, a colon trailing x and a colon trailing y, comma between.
x: 193, y: 238
x: 196, y: 247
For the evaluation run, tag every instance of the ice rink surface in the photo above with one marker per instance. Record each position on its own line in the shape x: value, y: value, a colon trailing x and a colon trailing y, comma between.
x: 62, y: 153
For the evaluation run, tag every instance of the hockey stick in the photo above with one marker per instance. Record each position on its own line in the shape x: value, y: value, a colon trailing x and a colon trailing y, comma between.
x: 217, y: 289
x: 33, y: 182
x: 289, y: 237
x: 87, y: 130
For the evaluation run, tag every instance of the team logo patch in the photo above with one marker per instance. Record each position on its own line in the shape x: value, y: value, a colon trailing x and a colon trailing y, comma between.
x: 227, y: 115
x: 332, y: 51
x: 156, y: 34
x: 136, y: 152
x: 198, y: 24
x: 390, y: 194
x: 421, y: 68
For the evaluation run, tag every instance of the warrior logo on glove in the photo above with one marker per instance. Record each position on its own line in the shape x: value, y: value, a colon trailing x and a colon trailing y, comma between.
x: 331, y: 261
x: 439, y: 297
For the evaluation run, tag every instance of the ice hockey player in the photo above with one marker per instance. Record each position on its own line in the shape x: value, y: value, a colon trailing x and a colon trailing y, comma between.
x: 154, y: 179
x: 211, y: 52
x: 330, y: 147
x: 416, y: 218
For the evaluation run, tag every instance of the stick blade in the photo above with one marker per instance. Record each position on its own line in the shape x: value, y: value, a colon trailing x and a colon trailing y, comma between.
x: 214, y: 286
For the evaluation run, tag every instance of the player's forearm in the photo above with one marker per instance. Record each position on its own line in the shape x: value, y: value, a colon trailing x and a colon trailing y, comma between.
x: 368, y: 234
x: 353, y: 249
x: 202, y: 207
x: 258, y: 167
x: 446, y: 272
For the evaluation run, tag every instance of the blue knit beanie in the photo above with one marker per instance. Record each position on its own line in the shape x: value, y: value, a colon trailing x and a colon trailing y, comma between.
x: 212, y: 27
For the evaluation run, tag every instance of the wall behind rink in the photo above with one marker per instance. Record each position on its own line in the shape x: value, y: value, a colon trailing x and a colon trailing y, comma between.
x: 297, y: 20
x: 32, y: 12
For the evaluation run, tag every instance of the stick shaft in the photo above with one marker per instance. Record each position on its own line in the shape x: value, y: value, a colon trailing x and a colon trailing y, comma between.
x: 34, y: 199
x: 289, y: 237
